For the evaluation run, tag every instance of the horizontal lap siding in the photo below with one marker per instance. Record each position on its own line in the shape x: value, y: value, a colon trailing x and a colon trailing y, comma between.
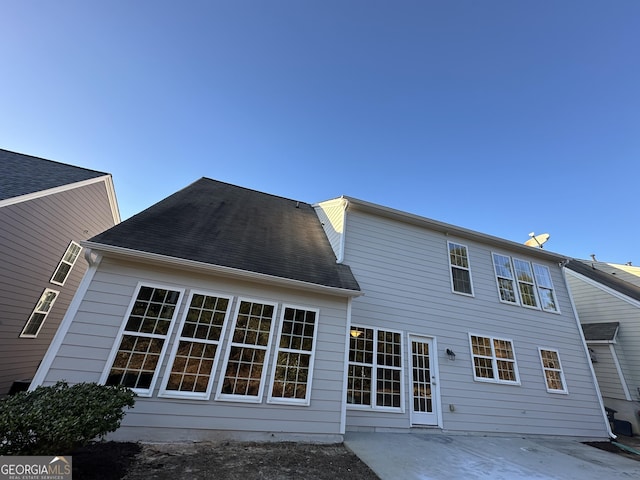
x: 91, y: 336
x: 608, y: 377
x: 33, y: 238
x: 595, y: 305
x: 404, y: 272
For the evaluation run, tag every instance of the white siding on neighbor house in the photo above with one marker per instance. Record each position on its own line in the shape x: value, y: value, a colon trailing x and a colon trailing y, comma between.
x: 597, y: 305
x: 34, y: 235
x: 404, y: 272
x: 332, y: 215
x: 83, y: 354
x: 605, y: 368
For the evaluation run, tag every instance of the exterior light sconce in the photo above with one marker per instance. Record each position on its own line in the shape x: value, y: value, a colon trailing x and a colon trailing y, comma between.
x: 355, y: 333
x: 451, y: 354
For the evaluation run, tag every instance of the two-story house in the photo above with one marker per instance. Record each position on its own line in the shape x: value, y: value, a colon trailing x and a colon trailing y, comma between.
x: 237, y: 314
x: 46, y: 209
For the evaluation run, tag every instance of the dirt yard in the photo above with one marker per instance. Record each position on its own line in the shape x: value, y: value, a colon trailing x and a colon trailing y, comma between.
x: 226, y: 460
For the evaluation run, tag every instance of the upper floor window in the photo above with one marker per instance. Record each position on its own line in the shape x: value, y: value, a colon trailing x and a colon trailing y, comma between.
x: 553, y: 374
x: 143, y: 339
x: 460, y: 269
x: 66, y: 264
x: 39, y: 314
x: 375, y: 368
x: 293, y: 366
x: 493, y: 360
x: 505, y: 279
x: 545, y: 288
x: 526, y: 286
x: 247, y: 352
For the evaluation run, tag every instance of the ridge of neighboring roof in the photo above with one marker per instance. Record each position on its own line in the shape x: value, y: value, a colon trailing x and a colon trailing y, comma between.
x: 589, y: 270
x: 22, y: 174
x: 221, y: 224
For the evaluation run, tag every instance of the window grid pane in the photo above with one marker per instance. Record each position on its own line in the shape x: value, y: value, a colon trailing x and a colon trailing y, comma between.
x: 40, y: 313
x: 67, y: 262
x: 552, y: 370
x: 460, y: 270
x: 525, y: 282
x: 545, y: 288
x: 493, y: 359
x: 504, y: 277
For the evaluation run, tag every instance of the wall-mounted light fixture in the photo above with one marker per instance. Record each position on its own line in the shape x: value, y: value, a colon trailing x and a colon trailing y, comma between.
x: 451, y: 354
x: 355, y: 333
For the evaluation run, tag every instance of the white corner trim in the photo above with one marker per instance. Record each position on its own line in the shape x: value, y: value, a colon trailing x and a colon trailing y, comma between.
x: 113, y: 201
x: 623, y: 382
x: 56, y: 343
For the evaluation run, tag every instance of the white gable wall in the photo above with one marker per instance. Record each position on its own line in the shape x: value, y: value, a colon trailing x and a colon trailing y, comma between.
x: 404, y: 272
x: 83, y: 354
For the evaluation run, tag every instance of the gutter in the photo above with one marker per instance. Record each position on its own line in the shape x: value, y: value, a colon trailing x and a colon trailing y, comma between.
x: 181, y: 263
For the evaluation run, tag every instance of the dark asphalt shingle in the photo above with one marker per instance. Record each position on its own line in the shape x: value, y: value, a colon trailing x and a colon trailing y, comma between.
x: 587, y: 269
x: 222, y: 224
x: 600, y: 331
x: 23, y: 174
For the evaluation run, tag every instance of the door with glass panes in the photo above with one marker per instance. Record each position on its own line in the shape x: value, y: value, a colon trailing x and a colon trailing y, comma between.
x: 423, y: 381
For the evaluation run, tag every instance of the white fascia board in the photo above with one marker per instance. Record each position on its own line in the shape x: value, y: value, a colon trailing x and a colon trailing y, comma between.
x: 448, y: 229
x: 604, y: 288
x: 113, y: 201
x: 182, y: 263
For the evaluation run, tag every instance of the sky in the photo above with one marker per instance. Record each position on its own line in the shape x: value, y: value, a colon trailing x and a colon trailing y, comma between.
x: 501, y: 116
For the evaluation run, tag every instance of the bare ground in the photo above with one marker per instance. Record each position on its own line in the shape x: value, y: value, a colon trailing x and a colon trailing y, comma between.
x: 224, y: 460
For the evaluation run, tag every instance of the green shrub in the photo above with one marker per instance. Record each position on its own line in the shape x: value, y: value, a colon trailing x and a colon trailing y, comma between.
x: 57, y: 419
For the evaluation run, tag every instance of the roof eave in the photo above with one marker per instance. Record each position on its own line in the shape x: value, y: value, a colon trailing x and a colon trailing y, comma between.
x: 159, y: 259
x: 448, y: 229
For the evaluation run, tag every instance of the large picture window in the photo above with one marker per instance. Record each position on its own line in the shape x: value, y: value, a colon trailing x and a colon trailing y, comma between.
x: 196, y: 351
x: 247, y: 352
x: 143, y: 339
x: 460, y: 269
x: 493, y: 360
x: 375, y: 368
x: 292, y: 370
x: 39, y: 314
x: 67, y: 262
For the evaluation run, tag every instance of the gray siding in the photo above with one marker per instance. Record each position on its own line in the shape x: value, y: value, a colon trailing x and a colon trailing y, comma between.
x: 596, y: 305
x: 404, y: 272
x: 34, y: 235
x: 83, y: 355
x: 606, y: 372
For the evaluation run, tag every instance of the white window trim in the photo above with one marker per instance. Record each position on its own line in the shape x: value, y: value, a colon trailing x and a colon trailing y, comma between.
x: 176, y: 343
x: 468, y: 269
x: 36, y: 311
x: 533, y: 283
x: 294, y: 401
x: 143, y: 392
x: 553, y: 288
x: 63, y: 261
x: 514, y: 280
x: 564, y: 391
x: 374, y: 377
x: 494, y: 360
x: 231, y: 397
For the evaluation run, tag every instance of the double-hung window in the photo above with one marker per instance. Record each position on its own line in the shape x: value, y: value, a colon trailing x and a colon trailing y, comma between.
x: 504, y: 278
x: 545, y: 288
x: 494, y: 360
x: 247, y: 352
x: 375, y: 369
x: 39, y: 314
x: 195, y: 353
x: 142, y: 342
x: 67, y: 262
x: 526, y: 285
x: 553, y: 374
x: 293, y: 367
x: 460, y: 269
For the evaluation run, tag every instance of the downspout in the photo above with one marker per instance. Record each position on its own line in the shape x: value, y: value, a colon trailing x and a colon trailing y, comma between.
x: 586, y: 351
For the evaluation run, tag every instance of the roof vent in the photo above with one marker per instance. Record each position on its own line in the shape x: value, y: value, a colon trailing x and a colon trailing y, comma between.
x: 629, y: 264
x: 593, y: 257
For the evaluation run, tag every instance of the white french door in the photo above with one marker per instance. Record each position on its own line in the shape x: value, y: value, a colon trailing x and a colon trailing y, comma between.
x: 423, y: 381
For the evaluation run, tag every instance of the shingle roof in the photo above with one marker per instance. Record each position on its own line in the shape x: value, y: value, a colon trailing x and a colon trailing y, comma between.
x: 600, y: 331
x: 589, y: 270
x: 222, y: 224
x: 23, y: 174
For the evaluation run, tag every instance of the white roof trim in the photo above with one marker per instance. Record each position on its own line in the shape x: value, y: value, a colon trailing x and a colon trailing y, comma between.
x: 219, y: 269
x: 448, y: 229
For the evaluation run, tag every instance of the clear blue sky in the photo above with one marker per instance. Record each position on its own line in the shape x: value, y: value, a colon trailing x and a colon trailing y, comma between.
x: 504, y: 117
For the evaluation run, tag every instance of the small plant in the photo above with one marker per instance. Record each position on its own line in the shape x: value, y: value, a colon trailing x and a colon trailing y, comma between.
x: 59, y: 418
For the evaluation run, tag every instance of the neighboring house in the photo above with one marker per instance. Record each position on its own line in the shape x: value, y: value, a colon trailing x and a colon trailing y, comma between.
x: 46, y: 209
x: 237, y: 314
x: 607, y: 298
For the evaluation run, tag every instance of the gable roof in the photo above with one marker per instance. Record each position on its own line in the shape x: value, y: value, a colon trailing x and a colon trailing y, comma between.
x: 216, y: 223
x: 589, y: 270
x: 600, y: 331
x: 23, y: 174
